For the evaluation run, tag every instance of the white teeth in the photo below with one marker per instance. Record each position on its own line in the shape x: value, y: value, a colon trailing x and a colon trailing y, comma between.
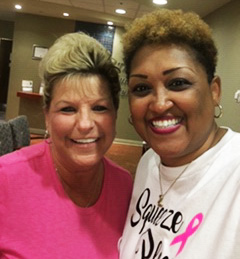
x: 165, y: 123
x: 85, y: 141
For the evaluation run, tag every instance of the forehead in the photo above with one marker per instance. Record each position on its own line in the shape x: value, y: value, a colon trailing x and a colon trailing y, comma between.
x: 167, y: 55
x: 82, y: 85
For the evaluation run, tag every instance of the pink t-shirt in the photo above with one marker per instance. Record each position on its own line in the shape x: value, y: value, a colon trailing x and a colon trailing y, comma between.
x: 38, y: 220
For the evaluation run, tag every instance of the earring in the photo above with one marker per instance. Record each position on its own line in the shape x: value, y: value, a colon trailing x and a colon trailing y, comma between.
x: 46, y: 135
x: 219, y: 115
x: 130, y: 120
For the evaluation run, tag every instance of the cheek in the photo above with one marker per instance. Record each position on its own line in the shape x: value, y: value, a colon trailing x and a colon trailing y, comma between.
x: 137, y: 107
x: 110, y: 124
x: 61, y: 124
x: 198, y: 111
x: 203, y: 105
x: 106, y: 123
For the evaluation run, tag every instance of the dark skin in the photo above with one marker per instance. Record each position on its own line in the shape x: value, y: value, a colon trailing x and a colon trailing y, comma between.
x: 173, y: 104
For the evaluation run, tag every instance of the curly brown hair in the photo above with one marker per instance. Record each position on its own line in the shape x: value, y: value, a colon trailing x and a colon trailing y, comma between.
x: 165, y: 26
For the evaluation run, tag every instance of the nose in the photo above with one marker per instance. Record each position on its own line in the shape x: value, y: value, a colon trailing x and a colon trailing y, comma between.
x: 161, y: 101
x: 85, y: 121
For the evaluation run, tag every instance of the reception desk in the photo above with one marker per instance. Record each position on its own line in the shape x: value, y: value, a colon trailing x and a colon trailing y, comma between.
x: 29, y: 95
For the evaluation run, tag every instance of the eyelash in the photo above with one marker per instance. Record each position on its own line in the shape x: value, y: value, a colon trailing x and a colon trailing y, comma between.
x: 177, y: 85
x: 67, y: 109
x: 97, y: 108
x: 141, y: 90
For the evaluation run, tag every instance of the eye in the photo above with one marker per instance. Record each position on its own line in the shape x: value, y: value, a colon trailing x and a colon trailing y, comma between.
x: 68, y: 109
x: 179, y: 84
x: 140, y: 90
x: 100, y: 108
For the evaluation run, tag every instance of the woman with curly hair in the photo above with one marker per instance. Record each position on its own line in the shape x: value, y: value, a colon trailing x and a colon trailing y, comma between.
x: 186, y: 197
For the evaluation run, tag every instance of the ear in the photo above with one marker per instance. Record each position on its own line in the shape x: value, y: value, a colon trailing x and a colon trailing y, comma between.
x: 46, y: 115
x: 216, y: 90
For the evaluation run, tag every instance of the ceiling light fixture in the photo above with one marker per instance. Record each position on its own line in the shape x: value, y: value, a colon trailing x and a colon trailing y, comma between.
x: 18, y: 6
x: 160, y: 2
x: 66, y: 14
x: 120, y: 11
x: 110, y: 23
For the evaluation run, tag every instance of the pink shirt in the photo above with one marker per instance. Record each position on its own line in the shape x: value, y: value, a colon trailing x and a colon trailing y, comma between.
x: 38, y: 220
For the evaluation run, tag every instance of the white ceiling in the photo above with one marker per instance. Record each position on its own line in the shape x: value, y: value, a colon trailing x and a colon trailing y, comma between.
x: 101, y: 11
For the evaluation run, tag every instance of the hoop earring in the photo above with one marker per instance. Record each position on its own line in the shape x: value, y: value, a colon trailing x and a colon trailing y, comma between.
x: 219, y: 115
x: 130, y: 120
x: 46, y: 135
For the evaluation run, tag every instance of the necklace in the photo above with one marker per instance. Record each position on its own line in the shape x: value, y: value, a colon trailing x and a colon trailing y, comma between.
x: 94, y: 189
x: 163, y: 194
x: 218, y: 134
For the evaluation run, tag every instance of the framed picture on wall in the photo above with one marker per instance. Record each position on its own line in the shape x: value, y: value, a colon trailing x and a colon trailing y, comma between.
x: 39, y: 51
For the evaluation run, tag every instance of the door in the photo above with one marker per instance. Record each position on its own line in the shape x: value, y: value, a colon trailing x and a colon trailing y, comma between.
x: 5, y: 52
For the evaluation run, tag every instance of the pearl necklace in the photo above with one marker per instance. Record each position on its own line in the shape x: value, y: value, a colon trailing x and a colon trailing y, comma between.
x: 163, y: 194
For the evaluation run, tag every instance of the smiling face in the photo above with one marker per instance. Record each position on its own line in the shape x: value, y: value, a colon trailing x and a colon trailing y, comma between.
x: 81, y: 121
x: 172, y: 103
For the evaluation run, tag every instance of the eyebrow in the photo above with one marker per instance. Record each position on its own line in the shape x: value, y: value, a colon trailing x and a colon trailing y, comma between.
x: 166, y: 72
x: 139, y: 75
x: 171, y: 70
x: 67, y: 102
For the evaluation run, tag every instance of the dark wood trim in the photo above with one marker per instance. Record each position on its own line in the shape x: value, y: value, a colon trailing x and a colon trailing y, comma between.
x: 29, y: 95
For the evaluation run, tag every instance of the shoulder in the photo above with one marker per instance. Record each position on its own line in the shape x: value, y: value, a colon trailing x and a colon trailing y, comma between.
x: 231, y: 140
x: 117, y: 172
x: 147, y: 167
x: 23, y: 156
x: 109, y: 164
x: 149, y: 160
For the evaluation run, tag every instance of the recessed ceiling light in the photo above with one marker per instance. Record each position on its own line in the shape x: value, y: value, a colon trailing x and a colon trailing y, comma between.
x: 18, y: 6
x: 65, y: 14
x: 160, y: 2
x: 120, y: 11
x: 110, y: 23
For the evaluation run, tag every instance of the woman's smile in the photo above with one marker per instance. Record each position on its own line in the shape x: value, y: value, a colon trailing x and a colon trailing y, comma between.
x: 165, y: 125
x: 168, y: 96
x: 84, y: 141
x: 81, y: 120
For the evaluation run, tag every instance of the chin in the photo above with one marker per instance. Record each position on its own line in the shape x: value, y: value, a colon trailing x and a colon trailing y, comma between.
x: 88, y: 160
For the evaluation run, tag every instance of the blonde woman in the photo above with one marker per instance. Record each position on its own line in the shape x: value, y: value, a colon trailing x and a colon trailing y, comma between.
x: 62, y: 198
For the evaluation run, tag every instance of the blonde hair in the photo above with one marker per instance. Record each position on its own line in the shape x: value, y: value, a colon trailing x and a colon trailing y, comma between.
x: 165, y: 26
x: 77, y: 53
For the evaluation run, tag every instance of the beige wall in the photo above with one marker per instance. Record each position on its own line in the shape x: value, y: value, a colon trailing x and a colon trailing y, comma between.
x: 43, y: 31
x: 225, y: 23
x: 124, y: 129
x: 30, y: 30
x: 6, y: 29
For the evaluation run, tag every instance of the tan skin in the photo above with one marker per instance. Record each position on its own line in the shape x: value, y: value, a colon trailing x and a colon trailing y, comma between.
x: 172, y: 103
x: 81, y: 123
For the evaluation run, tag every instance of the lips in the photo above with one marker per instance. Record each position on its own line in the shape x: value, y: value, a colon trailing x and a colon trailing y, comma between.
x: 165, y: 125
x: 85, y: 141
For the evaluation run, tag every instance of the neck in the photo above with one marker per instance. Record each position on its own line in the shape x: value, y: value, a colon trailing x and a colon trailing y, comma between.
x: 83, y: 187
x: 213, y: 138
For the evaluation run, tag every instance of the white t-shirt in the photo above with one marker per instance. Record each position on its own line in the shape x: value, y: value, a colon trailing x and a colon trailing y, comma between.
x: 200, y: 214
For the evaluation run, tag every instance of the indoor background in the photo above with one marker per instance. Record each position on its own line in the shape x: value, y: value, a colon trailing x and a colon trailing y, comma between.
x: 25, y: 30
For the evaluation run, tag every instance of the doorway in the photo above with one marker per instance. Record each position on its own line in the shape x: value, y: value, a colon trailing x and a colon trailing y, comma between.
x: 5, y: 62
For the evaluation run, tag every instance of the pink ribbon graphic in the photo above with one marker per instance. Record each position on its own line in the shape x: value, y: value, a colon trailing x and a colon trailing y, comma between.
x: 189, y: 231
